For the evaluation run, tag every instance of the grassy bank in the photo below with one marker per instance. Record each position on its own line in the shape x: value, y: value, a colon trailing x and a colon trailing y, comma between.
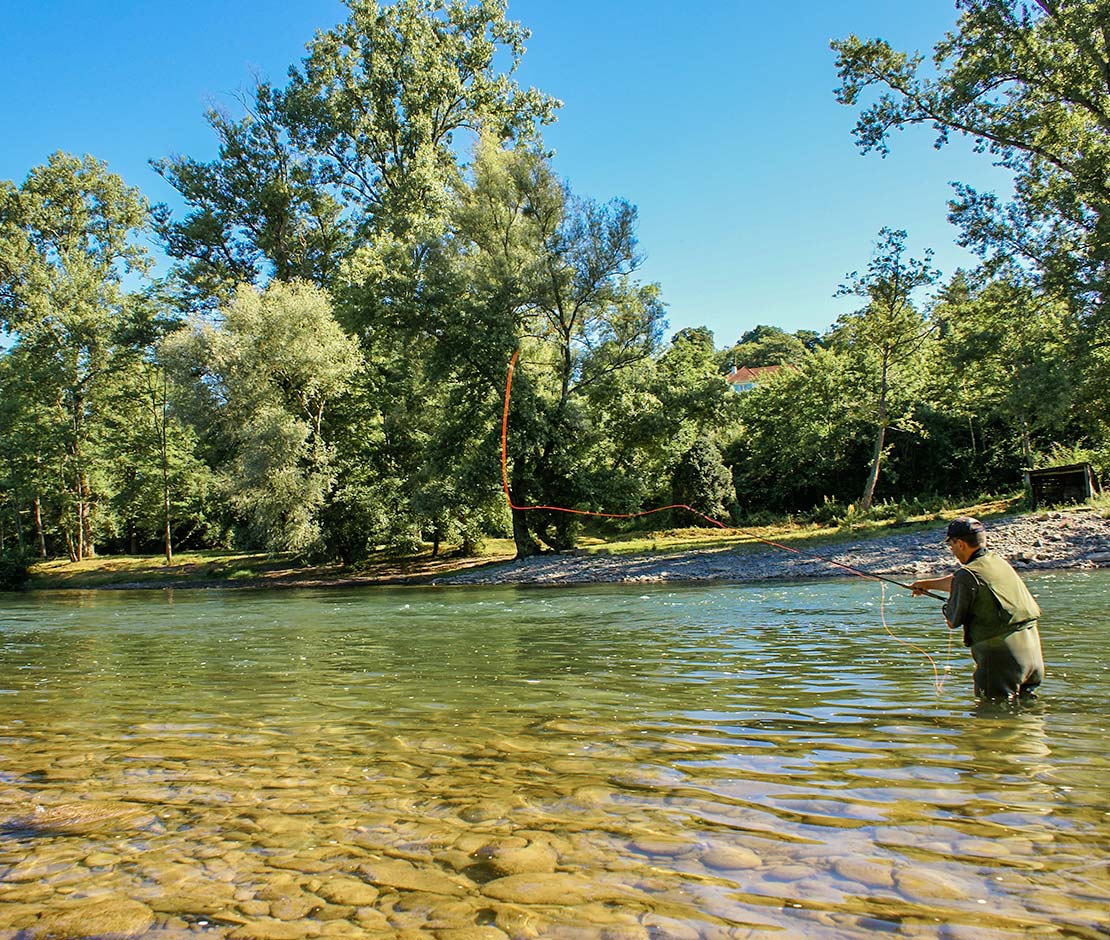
x: 237, y: 569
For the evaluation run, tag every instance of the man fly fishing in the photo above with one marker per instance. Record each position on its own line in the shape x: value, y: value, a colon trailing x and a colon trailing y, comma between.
x: 996, y: 611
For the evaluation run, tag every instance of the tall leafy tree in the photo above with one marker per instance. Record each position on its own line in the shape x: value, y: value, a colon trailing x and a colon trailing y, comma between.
x: 67, y: 240
x: 1026, y: 82
x: 32, y: 449
x: 801, y: 438
x: 556, y: 272
x: 1006, y: 354
x: 358, y: 149
x: 382, y: 96
x: 703, y: 482
x: 885, y: 336
x: 273, y: 366
x: 765, y: 346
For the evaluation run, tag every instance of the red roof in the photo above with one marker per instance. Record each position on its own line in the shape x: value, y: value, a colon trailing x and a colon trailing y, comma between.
x: 744, y: 375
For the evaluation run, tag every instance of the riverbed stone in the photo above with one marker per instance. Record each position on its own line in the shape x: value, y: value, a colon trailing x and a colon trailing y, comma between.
x: 507, y: 858
x: 407, y: 877
x: 15, y: 915
x: 370, y: 919
x: 345, y: 929
x: 925, y: 886
x: 487, y: 811
x: 730, y: 858
x: 111, y: 916
x: 430, y: 911
x: 559, y: 888
x: 41, y: 868
x: 348, y: 891
x: 81, y: 818
x: 269, y: 929
x: 294, y: 906
x: 866, y: 872
x: 662, y: 847
x: 521, y: 924
x: 669, y: 928
x: 484, y: 932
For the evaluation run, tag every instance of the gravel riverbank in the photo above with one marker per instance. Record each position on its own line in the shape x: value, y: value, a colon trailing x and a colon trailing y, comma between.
x: 1073, y: 539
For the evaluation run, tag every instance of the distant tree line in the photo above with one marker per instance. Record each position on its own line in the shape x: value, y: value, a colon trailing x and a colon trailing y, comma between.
x: 322, y: 370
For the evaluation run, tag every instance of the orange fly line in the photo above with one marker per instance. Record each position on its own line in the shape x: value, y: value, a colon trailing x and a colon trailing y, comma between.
x: 938, y: 679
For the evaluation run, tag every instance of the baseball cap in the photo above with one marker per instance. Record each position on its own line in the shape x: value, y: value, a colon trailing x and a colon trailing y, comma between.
x: 965, y: 528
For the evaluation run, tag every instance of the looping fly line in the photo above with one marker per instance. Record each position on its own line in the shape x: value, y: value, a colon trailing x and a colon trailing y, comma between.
x: 867, y: 575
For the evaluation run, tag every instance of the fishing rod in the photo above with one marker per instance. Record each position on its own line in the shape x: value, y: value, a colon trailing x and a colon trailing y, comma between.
x: 633, y: 515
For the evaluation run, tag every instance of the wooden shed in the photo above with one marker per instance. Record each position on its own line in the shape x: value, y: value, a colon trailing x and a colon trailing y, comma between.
x: 1074, y: 483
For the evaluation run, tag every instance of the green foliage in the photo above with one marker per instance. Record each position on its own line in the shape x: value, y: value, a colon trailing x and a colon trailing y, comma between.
x: 769, y: 346
x: 67, y: 239
x: 359, y: 285
x: 273, y: 365
x: 1027, y: 83
x: 263, y: 208
x: 15, y: 571
x: 800, y: 437
x: 886, y: 339
x: 703, y: 482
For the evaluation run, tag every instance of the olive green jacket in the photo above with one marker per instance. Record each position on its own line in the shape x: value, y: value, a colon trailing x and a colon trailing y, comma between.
x: 989, y: 599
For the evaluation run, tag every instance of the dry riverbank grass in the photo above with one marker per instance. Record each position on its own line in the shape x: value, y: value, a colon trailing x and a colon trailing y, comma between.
x: 232, y: 569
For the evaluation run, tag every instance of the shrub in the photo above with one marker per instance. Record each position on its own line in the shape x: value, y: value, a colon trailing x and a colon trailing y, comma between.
x: 15, y: 572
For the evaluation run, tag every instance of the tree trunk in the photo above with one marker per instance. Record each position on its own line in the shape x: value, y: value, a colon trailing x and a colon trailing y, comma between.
x: 168, y: 535
x: 1026, y: 443
x: 880, y: 440
x: 87, y: 522
x: 38, y: 527
x: 873, y: 476
x: 526, y: 546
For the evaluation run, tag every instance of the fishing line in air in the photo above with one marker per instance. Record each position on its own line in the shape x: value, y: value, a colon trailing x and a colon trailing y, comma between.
x: 867, y: 575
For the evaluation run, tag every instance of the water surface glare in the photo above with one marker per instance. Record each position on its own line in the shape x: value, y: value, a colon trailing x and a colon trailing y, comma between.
x: 626, y: 763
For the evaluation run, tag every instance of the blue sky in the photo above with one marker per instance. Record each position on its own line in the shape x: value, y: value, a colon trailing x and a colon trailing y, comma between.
x: 715, y: 117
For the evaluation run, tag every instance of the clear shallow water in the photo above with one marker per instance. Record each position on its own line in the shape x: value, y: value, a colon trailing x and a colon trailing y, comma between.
x: 614, y: 762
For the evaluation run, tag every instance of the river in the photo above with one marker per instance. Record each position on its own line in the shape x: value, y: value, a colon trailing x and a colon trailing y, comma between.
x: 625, y: 763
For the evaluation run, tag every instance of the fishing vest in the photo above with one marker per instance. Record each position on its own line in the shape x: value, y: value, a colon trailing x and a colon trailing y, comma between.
x: 1004, y: 606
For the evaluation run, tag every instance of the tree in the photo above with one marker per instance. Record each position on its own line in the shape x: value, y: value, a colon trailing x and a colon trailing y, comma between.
x: 886, y: 334
x: 32, y: 448
x: 551, y: 273
x: 799, y: 439
x: 272, y: 367
x: 67, y: 240
x: 1026, y: 81
x: 765, y: 346
x: 360, y: 145
x: 1006, y: 353
x: 382, y: 96
x: 703, y: 482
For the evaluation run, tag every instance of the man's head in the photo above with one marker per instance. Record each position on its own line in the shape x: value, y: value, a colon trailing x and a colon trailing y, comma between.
x: 966, y: 536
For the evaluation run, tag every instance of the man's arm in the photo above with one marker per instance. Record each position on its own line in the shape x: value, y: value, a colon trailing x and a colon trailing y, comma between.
x: 964, y: 589
x: 931, y: 584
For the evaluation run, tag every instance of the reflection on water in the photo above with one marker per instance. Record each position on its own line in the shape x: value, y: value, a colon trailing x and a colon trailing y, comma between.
x: 717, y: 762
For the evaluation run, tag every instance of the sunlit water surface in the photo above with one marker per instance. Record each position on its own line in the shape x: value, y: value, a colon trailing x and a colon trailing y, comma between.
x: 612, y: 762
